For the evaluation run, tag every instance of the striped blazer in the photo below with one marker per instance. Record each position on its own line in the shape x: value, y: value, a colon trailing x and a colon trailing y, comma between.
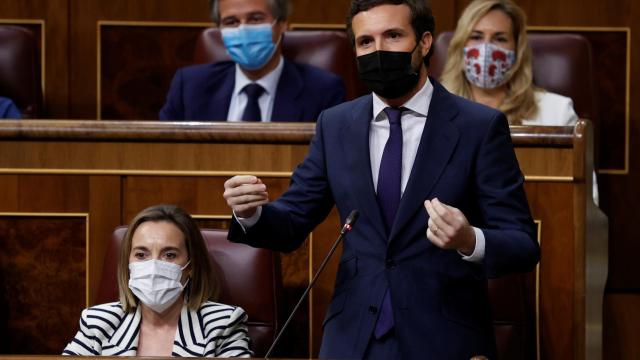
x: 214, y: 330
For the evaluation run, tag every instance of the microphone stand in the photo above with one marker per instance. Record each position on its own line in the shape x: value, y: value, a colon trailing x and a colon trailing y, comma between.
x: 348, y: 225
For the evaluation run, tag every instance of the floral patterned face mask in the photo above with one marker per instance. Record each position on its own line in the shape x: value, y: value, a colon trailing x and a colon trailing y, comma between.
x: 486, y: 65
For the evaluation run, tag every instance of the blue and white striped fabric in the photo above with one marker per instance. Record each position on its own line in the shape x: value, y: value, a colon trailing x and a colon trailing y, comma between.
x: 214, y: 330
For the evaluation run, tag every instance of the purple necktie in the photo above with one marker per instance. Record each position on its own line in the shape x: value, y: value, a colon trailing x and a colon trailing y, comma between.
x: 389, y: 190
x: 391, y: 168
x: 252, y: 110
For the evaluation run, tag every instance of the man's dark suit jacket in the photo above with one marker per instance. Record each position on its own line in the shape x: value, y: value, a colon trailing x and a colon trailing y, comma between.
x: 440, y: 302
x: 8, y: 109
x: 203, y: 92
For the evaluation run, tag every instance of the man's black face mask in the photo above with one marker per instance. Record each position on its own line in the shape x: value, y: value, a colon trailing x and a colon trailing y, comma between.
x: 388, y: 73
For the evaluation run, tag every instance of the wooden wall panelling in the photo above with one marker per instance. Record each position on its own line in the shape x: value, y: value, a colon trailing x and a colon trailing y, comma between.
x: 52, y: 193
x: 105, y: 202
x: 8, y: 193
x: 85, y: 16
x: 53, y: 14
x: 61, y: 195
x: 621, y: 193
x: 136, y: 64
x: 556, y: 299
x: 320, y: 12
x: 611, y: 49
x: 84, y: 159
x: 621, y: 337
x: 335, y: 12
x: 576, y: 12
x: 43, y: 276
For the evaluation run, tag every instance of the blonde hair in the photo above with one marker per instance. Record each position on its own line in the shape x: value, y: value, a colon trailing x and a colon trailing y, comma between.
x: 519, y: 102
x: 203, y: 284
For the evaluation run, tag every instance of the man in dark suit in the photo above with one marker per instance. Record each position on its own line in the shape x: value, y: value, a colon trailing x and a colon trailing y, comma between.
x: 259, y: 84
x: 440, y: 194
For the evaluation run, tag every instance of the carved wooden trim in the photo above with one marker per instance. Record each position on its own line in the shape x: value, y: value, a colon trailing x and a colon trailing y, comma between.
x: 191, y: 131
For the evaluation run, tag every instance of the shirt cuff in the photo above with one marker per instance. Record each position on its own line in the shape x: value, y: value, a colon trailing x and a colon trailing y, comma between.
x: 478, y: 253
x: 247, y: 223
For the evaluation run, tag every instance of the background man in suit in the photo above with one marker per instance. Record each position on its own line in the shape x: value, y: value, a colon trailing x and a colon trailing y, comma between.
x: 440, y: 194
x: 259, y: 84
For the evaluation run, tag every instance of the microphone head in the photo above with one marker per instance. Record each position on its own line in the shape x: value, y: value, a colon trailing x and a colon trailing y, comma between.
x: 352, y: 218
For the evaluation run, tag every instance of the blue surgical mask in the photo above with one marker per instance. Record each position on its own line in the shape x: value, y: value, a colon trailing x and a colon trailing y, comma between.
x: 250, y: 46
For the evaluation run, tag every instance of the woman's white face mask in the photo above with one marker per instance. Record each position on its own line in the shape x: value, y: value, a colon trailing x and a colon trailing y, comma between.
x: 156, y: 283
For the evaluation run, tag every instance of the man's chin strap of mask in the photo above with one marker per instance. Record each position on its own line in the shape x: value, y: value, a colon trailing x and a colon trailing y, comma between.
x: 415, y: 71
x: 277, y: 43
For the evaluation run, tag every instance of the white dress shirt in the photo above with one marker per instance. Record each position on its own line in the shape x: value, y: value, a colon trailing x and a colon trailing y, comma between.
x: 239, y: 99
x: 412, y: 122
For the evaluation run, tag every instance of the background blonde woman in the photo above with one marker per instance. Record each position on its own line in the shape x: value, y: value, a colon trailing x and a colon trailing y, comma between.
x: 489, y: 61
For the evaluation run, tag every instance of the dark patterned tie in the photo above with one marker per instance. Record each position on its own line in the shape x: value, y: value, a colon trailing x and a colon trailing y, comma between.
x: 389, y: 191
x: 252, y: 110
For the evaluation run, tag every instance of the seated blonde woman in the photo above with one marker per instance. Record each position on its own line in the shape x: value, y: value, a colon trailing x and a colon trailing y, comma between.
x: 166, y: 282
x: 489, y: 61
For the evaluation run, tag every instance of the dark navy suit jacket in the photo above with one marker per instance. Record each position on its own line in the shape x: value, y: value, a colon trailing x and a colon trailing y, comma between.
x: 8, y: 109
x: 203, y: 92
x: 440, y: 303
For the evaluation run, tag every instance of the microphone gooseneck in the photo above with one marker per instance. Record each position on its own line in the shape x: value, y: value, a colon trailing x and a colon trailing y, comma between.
x: 348, y: 225
x: 351, y: 219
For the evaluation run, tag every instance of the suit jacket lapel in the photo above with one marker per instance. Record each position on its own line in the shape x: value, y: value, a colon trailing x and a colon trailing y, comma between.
x: 356, y: 133
x: 438, y: 141
x: 285, y: 105
x: 221, y: 87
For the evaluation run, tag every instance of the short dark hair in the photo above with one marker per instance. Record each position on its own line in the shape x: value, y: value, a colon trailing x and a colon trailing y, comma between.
x: 280, y: 9
x: 421, y: 17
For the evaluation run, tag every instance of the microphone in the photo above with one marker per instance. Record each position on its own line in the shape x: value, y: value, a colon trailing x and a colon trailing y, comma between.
x: 348, y: 225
